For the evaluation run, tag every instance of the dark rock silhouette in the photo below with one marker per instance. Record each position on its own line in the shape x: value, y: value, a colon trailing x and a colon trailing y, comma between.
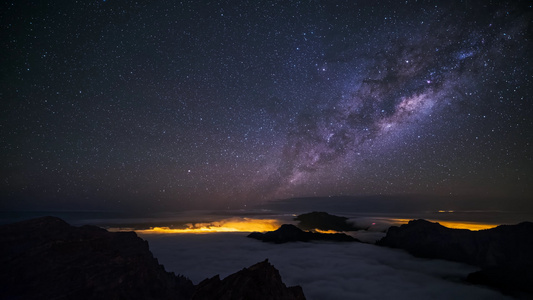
x: 503, y: 245
x: 290, y: 233
x: 46, y: 258
x: 324, y: 221
x: 260, y: 282
x: 505, y: 253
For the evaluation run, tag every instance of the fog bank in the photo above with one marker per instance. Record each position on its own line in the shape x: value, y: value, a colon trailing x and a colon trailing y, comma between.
x: 324, y: 270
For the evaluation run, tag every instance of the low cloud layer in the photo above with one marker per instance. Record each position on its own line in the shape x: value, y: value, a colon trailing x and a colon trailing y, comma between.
x: 324, y: 270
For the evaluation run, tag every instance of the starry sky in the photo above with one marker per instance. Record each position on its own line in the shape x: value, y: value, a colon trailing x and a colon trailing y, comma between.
x: 168, y: 105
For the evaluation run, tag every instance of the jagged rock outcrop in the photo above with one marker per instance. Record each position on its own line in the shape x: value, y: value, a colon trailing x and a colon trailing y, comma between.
x: 290, y: 233
x: 324, y: 221
x: 259, y: 282
x: 46, y: 258
x: 505, y: 253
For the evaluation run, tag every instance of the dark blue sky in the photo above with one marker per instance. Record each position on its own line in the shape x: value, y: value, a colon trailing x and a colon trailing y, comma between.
x: 164, y: 105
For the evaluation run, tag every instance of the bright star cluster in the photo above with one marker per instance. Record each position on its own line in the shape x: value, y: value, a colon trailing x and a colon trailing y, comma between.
x: 222, y: 104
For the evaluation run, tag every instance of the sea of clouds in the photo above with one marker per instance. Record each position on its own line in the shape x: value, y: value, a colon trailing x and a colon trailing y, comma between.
x: 324, y: 270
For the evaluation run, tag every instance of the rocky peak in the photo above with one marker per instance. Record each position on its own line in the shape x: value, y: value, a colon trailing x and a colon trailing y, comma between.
x: 260, y: 282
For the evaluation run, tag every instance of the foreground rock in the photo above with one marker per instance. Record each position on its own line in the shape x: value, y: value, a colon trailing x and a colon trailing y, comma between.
x: 46, y: 258
x: 505, y: 253
x: 260, y: 282
x: 324, y: 221
x: 290, y: 233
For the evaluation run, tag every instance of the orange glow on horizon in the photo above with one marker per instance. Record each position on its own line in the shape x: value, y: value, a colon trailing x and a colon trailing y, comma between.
x: 474, y: 226
x: 227, y: 225
x: 464, y: 225
x: 238, y: 224
x: 326, y: 231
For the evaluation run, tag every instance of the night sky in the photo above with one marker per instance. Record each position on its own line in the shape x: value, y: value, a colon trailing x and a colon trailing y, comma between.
x: 169, y: 105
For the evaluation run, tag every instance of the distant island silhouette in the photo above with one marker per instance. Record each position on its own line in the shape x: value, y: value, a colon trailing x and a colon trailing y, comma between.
x: 290, y: 233
x: 324, y: 221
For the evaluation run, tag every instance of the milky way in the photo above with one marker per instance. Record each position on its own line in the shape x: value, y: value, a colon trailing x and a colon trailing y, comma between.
x: 168, y: 105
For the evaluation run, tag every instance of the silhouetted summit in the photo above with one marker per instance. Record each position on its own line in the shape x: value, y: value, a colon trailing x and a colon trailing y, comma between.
x: 505, y: 253
x: 324, y: 221
x: 290, y: 233
x: 259, y: 282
